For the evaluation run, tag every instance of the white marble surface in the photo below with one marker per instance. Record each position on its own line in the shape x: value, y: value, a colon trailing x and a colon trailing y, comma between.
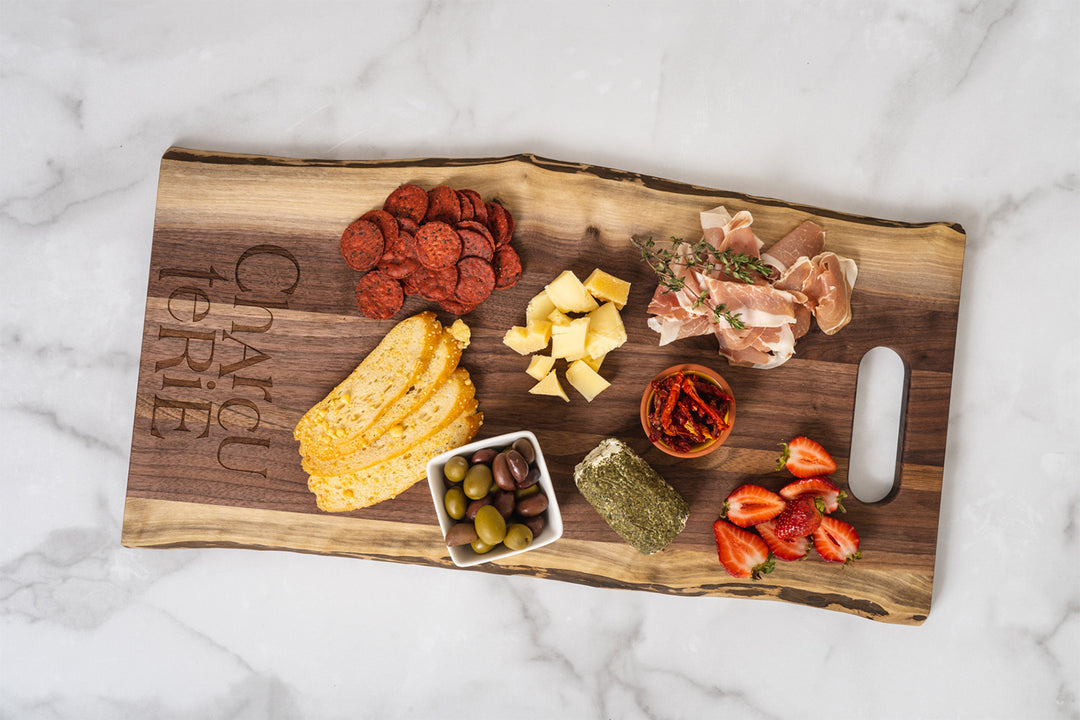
x: 963, y: 111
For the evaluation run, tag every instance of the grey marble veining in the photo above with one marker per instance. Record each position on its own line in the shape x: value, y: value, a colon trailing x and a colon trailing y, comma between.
x: 964, y: 111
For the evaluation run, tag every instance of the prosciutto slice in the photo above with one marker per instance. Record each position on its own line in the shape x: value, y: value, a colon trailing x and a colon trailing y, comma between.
x: 807, y: 240
x: 806, y: 285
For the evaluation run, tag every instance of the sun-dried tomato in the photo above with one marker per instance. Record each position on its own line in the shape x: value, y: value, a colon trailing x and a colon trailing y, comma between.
x: 686, y: 411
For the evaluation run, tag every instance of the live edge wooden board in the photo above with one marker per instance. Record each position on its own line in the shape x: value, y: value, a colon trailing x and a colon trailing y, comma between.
x: 250, y: 320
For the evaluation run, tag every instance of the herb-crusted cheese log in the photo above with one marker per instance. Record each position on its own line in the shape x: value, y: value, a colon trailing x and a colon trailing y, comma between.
x: 632, y: 498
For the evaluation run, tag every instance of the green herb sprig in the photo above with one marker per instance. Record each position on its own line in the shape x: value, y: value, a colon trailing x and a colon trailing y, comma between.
x: 705, y: 258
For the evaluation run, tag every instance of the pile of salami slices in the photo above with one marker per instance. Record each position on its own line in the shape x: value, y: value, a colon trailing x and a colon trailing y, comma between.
x: 448, y: 246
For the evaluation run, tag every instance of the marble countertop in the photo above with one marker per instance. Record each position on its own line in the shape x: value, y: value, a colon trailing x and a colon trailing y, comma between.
x: 962, y: 111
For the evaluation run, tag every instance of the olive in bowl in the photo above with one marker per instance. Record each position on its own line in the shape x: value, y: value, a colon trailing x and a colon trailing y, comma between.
x: 494, y: 499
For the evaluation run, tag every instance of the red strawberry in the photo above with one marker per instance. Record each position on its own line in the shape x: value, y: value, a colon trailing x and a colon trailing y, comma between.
x: 751, y: 504
x: 742, y: 553
x: 792, y: 549
x: 815, y: 487
x: 836, y: 541
x: 805, y: 458
x: 800, y: 518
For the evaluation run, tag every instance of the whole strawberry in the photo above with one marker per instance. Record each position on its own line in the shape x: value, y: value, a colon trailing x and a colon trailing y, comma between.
x: 799, y: 518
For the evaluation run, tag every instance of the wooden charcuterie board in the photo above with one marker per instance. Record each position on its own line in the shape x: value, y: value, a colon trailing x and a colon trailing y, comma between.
x: 251, y: 320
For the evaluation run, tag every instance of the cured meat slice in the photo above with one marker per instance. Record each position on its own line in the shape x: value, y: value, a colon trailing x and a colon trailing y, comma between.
x: 498, y: 222
x: 410, y: 201
x: 408, y: 225
x: 443, y: 205
x: 756, y: 305
x: 468, y: 212
x: 476, y: 281
x: 454, y: 306
x: 399, y: 258
x: 479, y: 211
x: 435, y: 285
x: 726, y: 232
x: 437, y: 244
x: 378, y: 295
x: 807, y: 240
x: 362, y: 245
x: 830, y: 290
x: 473, y: 244
x: 386, y: 223
x: 507, y: 267
x: 480, y: 228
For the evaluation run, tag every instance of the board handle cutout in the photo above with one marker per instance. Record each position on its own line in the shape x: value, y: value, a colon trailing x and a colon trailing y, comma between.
x: 877, y: 435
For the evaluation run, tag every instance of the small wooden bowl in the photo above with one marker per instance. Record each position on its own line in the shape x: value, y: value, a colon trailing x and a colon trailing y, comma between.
x: 708, y: 375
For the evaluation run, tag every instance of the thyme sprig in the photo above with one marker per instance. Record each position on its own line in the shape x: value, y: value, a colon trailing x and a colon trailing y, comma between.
x: 705, y: 258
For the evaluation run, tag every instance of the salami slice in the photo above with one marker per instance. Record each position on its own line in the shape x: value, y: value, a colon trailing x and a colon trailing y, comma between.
x: 407, y: 225
x: 473, y: 244
x: 385, y: 222
x: 410, y: 201
x: 455, y: 307
x: 443, y: 205
x: 498, y: 223
x: 479, y: 210
x: 379, y: 296
x: 507, y: 267
x: 435, y: 285
x: 480, y: 228
x: 476, y: 281
x: 468, y: 212
x: 399, y: 257
x: 437, y: 244
x: 362, y: 245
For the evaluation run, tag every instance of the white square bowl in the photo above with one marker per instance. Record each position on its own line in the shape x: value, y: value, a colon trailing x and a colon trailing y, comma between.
x: 464, y: 555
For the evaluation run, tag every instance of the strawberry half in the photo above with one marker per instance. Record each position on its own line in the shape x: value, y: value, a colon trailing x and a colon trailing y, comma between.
x: 788, y: 550
x: 751, y: 504
x: 800, y: 518
x: 836, y: 541
x: 820, y: 487
x: 805, y: 458
x: 742, y: 553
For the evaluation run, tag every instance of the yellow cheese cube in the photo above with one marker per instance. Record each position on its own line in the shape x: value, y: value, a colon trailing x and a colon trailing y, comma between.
x: 608, y: 288
x: 594, y: 362
x: 549, y: 386
x: 558, y: 320
x: 586, y: 380
x: 569, y: 295
x: 569, y: 341
x: 540, y: 365
x: 527, y: 340
x: 606, y: 330
x: 538, y: 308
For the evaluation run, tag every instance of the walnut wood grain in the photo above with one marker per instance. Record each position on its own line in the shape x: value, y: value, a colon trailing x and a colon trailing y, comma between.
x: 246, y: 276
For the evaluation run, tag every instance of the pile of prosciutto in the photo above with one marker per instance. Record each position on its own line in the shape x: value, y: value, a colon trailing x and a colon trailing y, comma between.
x: 806, y: 284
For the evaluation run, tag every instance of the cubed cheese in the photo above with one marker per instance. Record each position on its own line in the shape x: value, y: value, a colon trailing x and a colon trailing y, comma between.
x: 569, y: 341
x: 529, y: 339
x: 606, y: 330
x: 586, y: 380
x: 558, y: 319
x: 569, y: 295
x: 540, y: 365
x: 549, y: 386
x: 594, y: 362
x: 539, y: 308
x: 608, y: 288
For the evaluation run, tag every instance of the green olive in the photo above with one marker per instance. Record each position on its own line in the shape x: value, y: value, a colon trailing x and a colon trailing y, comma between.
x: 480, y: 547
x: 518, y: 537
x: 525, y: 492
x: 455, y: 502
x: 455, y: 469
x: 478, y: 482
x: 490, y: 525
